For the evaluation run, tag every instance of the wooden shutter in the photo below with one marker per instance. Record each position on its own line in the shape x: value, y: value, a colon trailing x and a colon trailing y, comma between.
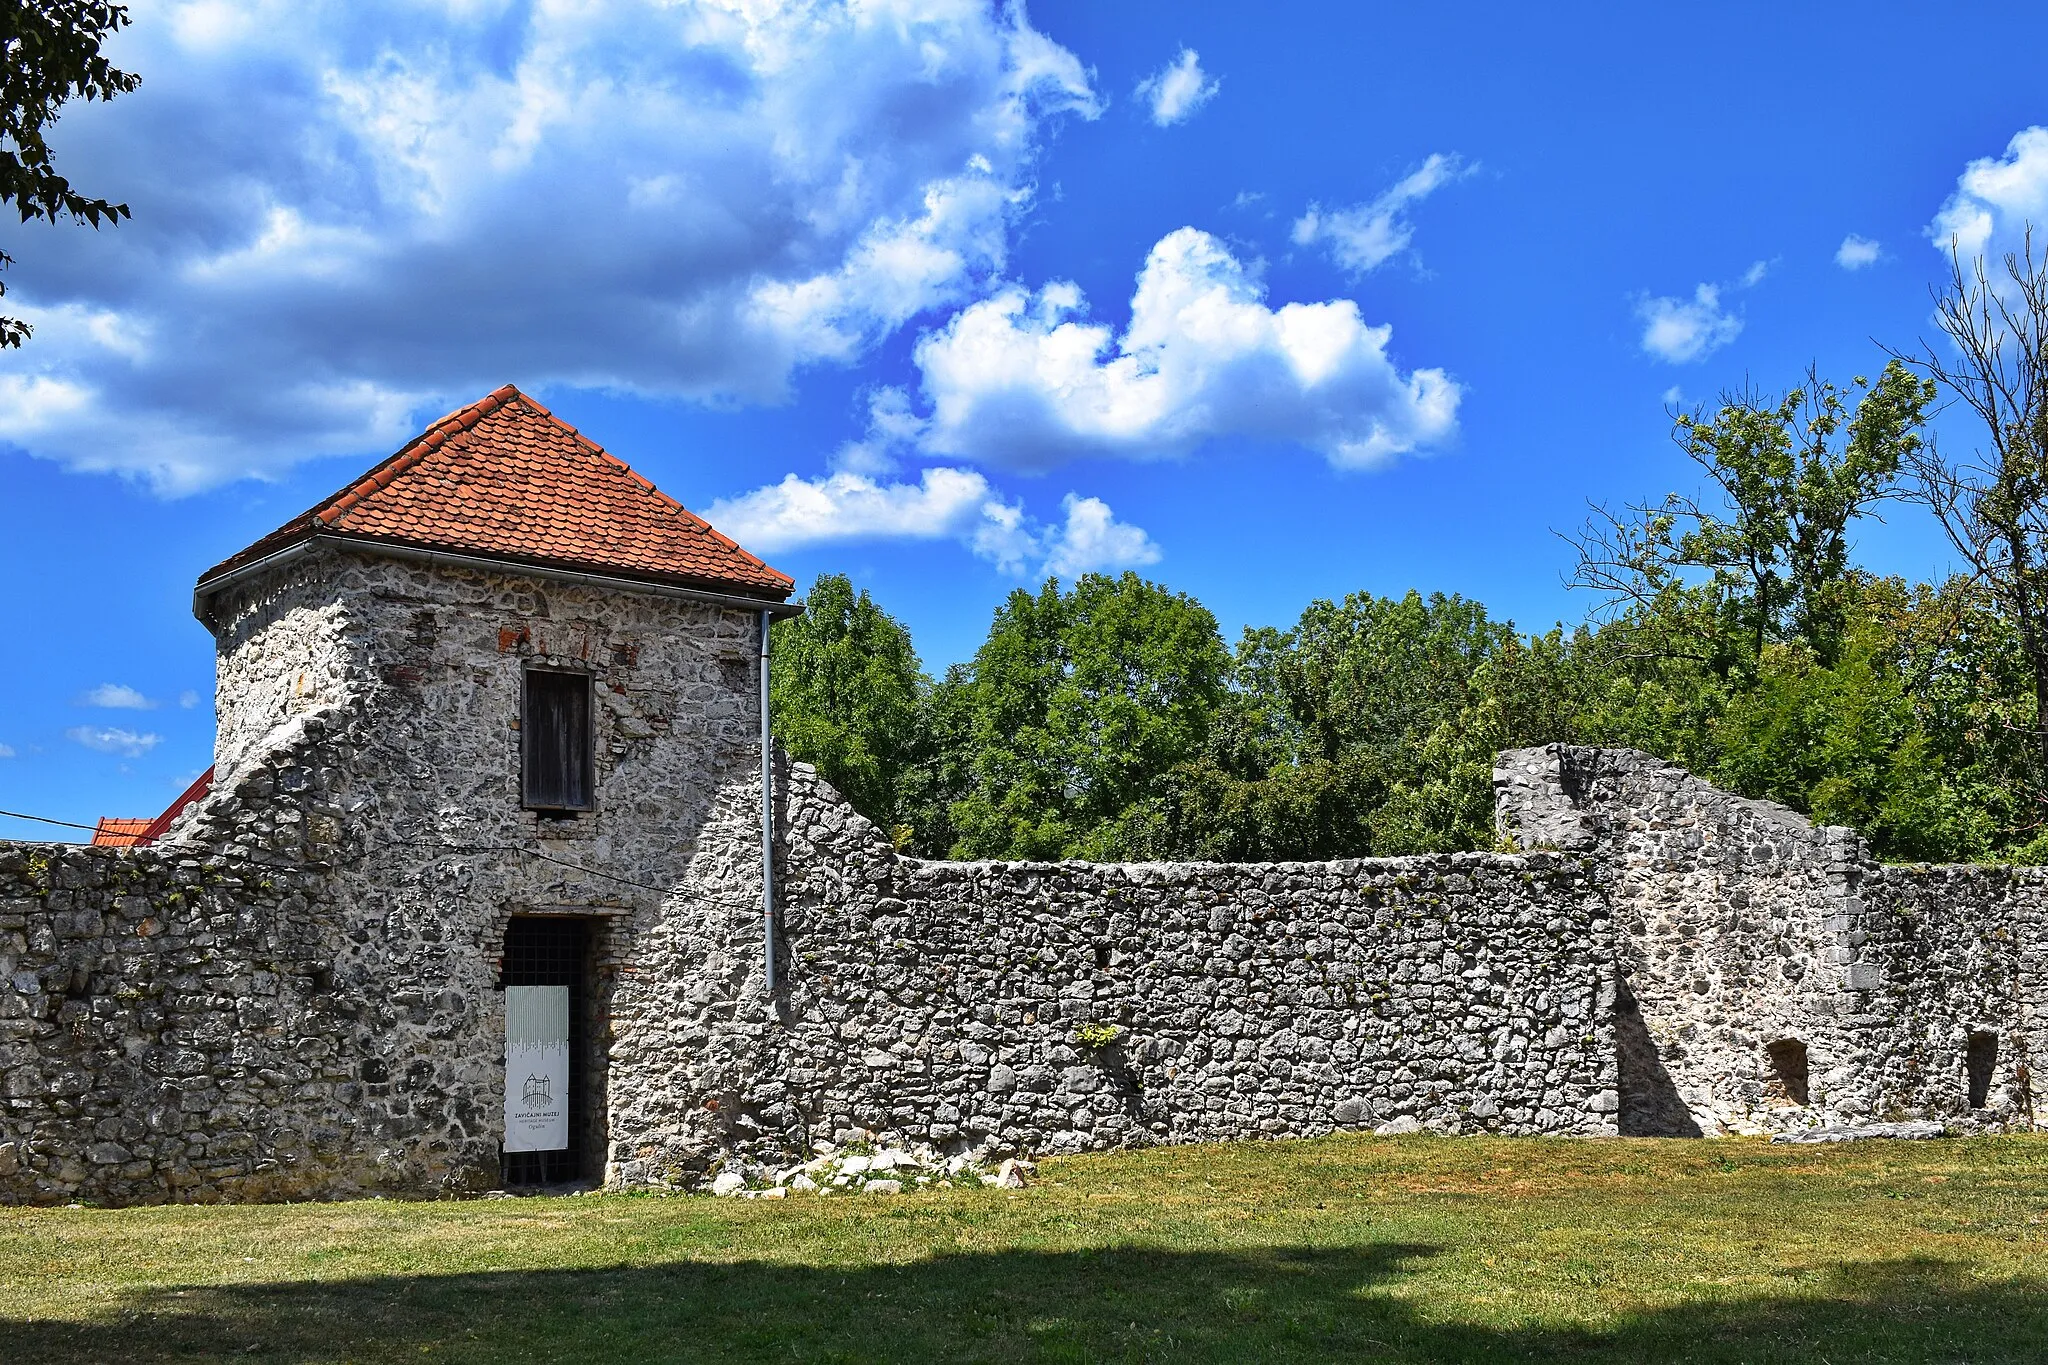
x: 555, y: 741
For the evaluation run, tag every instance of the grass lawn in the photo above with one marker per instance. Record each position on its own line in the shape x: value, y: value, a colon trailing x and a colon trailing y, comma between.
x: 1414, y: 1249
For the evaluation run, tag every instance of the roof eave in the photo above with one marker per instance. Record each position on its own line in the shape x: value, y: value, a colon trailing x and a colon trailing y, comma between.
x: 678, y: 586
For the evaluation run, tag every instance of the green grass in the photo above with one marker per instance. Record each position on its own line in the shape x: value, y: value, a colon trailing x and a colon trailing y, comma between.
x: 1341, y: 1248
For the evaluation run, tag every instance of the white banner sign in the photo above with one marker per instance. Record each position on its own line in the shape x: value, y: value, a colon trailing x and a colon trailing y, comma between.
x: 536, y: 1068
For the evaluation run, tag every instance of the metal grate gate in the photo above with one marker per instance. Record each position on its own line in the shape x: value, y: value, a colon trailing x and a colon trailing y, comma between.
x: 554, y: 950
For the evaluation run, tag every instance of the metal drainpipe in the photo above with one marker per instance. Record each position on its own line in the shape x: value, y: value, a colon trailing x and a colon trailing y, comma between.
x: 767, y: 829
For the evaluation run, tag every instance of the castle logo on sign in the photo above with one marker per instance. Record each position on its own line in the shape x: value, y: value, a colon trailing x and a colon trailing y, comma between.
x: 536, y: 1068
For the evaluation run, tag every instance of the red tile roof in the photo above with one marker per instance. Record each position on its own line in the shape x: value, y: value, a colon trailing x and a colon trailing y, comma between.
x: 200, y: 787
x: 117, y: 831
x: 120, y: 832
x: 506, y: 479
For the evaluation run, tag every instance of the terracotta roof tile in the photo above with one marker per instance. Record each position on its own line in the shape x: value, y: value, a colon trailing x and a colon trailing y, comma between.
x: 505, y: 478
x: 116, y: 831
x: 155, y: 828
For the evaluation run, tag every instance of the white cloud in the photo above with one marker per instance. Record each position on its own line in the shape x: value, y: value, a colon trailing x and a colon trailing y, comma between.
x: 1674, y: 396
x: 109, y: 740
x: 1857, y: 252
x: 188, y: 699
x: 1754, y: 276
x: 1685, y: 330
x: 944, y: 504
x: 6, y: 752
x: 1995, y: 198
x: 1178, y: 89
x: 1020, y: 380
x: 1365, y: 236
x: 350, y: 214
x: 1094, y: 541
x: 117, y: 697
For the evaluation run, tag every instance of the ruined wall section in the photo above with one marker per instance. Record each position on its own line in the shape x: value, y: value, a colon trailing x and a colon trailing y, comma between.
x: 944, y: 1002
x: 173, y: 1024
x: 1955, y: 956
x: 1773, y: 976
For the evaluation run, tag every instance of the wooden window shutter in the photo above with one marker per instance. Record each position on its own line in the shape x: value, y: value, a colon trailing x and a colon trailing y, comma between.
x: 555, y: 741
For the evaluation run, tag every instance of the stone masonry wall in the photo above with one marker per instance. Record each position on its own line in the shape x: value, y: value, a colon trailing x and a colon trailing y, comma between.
x: 940, y: 1002
x: 295, y: 993
x: 1742, y: 928
x: 172, y: 1024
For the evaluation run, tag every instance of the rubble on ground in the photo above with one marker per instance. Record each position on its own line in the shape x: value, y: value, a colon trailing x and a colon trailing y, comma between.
x: 863, y: 1168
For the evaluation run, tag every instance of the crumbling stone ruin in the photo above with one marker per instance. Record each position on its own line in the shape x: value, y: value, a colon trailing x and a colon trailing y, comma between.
x: 491, y: 718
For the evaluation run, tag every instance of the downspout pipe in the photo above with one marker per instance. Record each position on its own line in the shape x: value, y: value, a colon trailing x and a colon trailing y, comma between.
x: 767, y: 828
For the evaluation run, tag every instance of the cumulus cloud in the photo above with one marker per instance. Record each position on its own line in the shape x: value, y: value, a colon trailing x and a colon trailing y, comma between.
x: 1685, y: 330
x: 1367, y: 235
x: 1178, y: 89
x: 188, y: 699
x: 350, y: 214
x: 1856, y: 252
x: 943, y: 504
x: 1022, y: 380
x: 111, y: 740
x: 117, y: 697
x: 1094, y: 541
x: 1995, y: 198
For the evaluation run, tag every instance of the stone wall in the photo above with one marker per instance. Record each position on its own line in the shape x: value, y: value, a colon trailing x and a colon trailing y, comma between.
x: 295, y: 994
x: 173, y: 1022
x: 945, y: 1002
x: 1746, y: 936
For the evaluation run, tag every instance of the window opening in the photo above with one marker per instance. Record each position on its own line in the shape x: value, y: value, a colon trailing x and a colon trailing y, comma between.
x: 1981, y: 1062
x: 551, y: 950
x: 556, y: 741
x: 1787, y: 1084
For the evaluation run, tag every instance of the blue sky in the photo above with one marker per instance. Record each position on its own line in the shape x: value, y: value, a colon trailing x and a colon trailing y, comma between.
x: 1271, y: 303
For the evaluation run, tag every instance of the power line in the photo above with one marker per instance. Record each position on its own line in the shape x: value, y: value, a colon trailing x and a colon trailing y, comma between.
x: 46, y: 820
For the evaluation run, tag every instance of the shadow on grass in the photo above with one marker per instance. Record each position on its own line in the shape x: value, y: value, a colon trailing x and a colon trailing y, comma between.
x: 1115, y: 1305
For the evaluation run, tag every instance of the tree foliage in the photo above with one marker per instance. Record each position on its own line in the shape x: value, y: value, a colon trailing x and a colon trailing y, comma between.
x: 49, y: 55
x: 846, y: 693
x: 1766, y: 558
x: 1992, y: 500
x: 1735, y: 635
x: 1074, y: 709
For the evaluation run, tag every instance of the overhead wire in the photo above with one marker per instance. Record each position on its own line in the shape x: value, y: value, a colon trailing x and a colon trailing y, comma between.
x: 46, y: 820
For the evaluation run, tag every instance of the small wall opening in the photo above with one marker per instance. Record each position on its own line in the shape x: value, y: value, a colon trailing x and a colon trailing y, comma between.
x: 1786, y: 1083
x: 1980, y: 1062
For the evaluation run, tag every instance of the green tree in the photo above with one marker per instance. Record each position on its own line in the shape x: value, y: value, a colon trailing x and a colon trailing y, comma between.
x: 50, y: 54
x: 1074, y: 709
x: 847, y: 694
x: 1766, y: 558
x: 1369, y: 728
x: 1992, y: 500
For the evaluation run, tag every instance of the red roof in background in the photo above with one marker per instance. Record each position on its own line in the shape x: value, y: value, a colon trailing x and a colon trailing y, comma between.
x: 200, y: 787
x: 117, y: 831
x: 505, y: 478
